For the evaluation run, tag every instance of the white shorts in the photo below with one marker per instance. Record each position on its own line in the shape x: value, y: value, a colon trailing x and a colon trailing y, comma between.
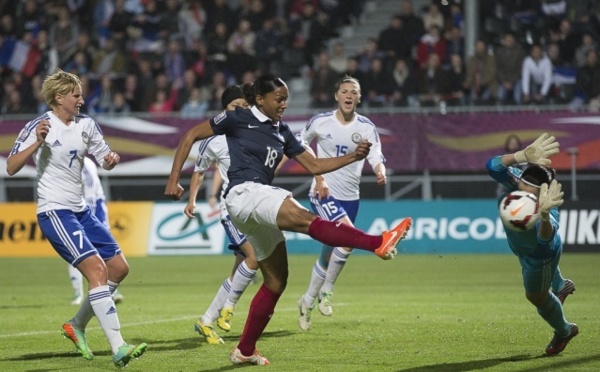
x: 253, y: 208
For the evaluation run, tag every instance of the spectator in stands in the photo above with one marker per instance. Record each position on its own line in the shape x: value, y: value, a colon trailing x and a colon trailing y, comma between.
x: 132, y: 92
x: 30, y: 19
x: 405, y: 85
x: 241, y: 49
x: 588, y: 81
x: 320, y: 31
x: 454, y: 78
x: 270, y: 44
x: 257, y: 14
x: 119, y: 105
x: 217, y: 46
x: 481, y: 79
x: 563, y: 77
x: 218, y: 85
x: 63, y: 33
x: 145, y: 83
x: 378, y: 84
x: 299, y: 32
x: 354, y: 71
x: 146, y: 28
x: 13, y: 104
x: 395, y: 42
x: 169, y: 22
x: 79, y: 64
x: 219, y: 12
x: 456, y: 17
x: 189, y: 82
x: 100, y: 98
x: 49, y: 55
x: 174, y: 64
x: 430, y: 84
x: 192, y: 20
x: 164, y: 102
x: 455, y: 43
x: 509, y: 61
x: 110, y: 59
x: 536, y: 76
x: 566, y: 38
x: 587, y: 43
x: 338, y: 61
x: 433, y: 17
x: 196, y: 106
x: 367, y: 54
x: 430, y: 43
x: 38, y: 101
x: 410, y: 22
x: 118, y: 23
x: 323, y: 79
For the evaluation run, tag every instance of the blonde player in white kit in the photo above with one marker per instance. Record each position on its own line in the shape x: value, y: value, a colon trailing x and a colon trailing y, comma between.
x: 58, y: 141
x: 335, y: 196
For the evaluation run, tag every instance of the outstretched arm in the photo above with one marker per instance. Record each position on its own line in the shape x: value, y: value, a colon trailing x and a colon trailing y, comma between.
x: 318, y: 166
x: 200, y: 131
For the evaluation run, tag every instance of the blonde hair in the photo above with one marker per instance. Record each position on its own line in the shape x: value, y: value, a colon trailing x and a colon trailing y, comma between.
x: 61, y: 83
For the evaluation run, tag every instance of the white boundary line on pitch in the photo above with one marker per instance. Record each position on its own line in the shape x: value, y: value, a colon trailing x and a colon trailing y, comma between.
x: 177, y: 319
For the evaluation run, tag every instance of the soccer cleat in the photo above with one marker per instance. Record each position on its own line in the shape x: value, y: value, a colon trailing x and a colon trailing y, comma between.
x: 78, y: 338
x: 127, y: 352
x: 118, y: 297
x: 207, y: 332
x: 305, y: 313
x: 236, y: 357
x: 77, y: 300
x: 567, y: 289
x: 558, y: 343
x: 225, y: 316
x: 325, y: 303
x: 387, y: 250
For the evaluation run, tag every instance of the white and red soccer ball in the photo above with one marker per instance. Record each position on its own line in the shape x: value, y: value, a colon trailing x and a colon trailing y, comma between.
x: 519, y: 210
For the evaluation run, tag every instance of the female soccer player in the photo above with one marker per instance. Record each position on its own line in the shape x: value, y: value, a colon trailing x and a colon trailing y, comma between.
x: 257, y: 140
x: 539, y: 249
x: 335, y: 196
x: 215, y: 150
x: 58, y: 142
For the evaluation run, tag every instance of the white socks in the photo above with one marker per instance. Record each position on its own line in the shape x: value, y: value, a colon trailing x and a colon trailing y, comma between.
x: 242, y: 278
x: 212, y: 313
x: 105, y: 310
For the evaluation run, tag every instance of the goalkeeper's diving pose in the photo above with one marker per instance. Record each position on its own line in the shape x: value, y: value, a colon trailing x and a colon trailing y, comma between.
x: 539, y: 249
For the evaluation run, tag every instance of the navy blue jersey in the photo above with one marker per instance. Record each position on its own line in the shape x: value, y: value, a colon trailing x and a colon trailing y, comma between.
x: 256, y: 144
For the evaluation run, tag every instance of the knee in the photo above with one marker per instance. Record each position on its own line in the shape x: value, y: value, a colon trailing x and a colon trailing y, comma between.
x: 537, y: 299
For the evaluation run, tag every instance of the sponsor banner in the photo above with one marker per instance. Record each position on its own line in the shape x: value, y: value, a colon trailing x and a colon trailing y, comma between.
x: 461, y: 226
x: 173, y: 233
x: 21, y: 236
x: 460, y: 142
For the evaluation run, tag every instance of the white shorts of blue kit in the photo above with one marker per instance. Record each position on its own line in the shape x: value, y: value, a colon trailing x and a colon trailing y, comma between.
x: 253, y: 208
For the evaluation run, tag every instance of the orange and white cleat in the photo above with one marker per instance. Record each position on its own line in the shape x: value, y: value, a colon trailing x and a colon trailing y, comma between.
x: 387, y: 250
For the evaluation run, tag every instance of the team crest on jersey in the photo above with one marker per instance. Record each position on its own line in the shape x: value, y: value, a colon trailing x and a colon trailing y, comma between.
x: 85, y: 137
x: 356, y: 137
x: 219, y: 118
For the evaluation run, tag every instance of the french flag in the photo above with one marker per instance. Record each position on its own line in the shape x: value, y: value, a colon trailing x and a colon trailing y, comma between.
x: 24, y: 58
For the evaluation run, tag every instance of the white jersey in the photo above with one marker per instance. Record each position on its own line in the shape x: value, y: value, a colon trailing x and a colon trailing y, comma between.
x: 92, y: 186
x: 337, y: 139
x: 59, y: 160
x: 214, y: 149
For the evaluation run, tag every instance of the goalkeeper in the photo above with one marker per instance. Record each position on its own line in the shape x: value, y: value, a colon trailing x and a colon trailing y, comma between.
x: 539, y: 249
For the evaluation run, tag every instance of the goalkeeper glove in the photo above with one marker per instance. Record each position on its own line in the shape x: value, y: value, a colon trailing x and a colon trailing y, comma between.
x: 539, y: 151
x: 550, y: 197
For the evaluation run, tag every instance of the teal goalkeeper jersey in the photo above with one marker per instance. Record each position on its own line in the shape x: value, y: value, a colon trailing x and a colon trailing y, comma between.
x: 524, y: 243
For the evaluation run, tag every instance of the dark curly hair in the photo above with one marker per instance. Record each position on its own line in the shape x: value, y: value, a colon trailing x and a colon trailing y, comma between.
x: 537, y: 175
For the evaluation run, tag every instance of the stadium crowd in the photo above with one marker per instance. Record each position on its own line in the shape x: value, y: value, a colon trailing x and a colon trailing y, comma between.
x: 164, y: 56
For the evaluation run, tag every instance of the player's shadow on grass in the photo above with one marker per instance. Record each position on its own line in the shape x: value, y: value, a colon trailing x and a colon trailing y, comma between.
x: 487, y: 363
x: 40, y: 356
x: 470, y: 365
x: 196, y: 341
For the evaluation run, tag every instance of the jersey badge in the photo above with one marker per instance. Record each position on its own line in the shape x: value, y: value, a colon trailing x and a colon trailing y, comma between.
x: 219, y: 118
x: 85, y: 137
x: 356, y: 137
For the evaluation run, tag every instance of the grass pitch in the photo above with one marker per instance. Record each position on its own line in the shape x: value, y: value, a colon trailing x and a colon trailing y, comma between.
x: 415, y: 313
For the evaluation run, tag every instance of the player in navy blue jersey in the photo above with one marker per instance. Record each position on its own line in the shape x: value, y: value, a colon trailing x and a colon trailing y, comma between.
x: 58, y: 141
x: 539, y: 249
x: 257, y: 141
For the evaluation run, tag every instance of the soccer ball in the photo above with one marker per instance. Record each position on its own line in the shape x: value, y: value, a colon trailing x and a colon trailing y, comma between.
x: 519, y: 210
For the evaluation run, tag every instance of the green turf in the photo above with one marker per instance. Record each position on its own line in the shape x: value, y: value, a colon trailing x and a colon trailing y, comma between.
x: 416, y: 313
